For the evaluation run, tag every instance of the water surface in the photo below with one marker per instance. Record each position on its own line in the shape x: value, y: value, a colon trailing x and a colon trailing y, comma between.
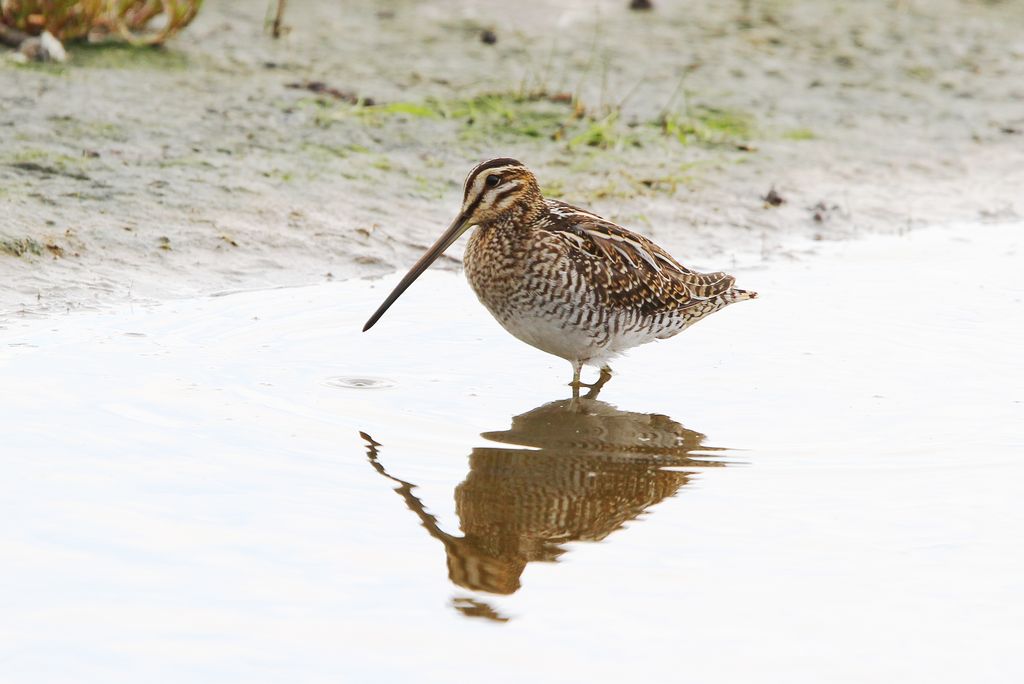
x: 820, y: 485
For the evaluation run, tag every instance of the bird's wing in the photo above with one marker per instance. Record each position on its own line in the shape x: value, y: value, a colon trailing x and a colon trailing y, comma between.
x: 628, y: 269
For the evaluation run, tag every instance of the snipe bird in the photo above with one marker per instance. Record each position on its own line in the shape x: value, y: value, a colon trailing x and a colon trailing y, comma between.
x: 565, y: 280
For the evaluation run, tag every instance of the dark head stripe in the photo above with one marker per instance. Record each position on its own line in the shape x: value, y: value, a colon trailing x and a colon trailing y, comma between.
x: 483, y: 168
x: 490, y: 164
x: 503, y: 192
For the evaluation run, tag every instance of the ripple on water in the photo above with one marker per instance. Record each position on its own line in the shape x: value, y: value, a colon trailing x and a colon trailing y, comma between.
x: 359, y: 382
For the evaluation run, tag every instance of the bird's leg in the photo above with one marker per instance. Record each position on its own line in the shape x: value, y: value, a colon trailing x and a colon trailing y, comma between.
x: 576, y: 384
x: 606, y: 375
x: 577, y: 366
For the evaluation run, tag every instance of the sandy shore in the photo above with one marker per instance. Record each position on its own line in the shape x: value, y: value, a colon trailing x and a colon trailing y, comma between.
x: 143, y: 175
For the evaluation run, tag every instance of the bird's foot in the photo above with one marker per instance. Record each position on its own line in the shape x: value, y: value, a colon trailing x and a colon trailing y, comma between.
x: 593, y: 387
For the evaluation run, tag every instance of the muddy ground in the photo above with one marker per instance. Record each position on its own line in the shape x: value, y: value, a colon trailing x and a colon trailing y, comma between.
x: 138, y: 174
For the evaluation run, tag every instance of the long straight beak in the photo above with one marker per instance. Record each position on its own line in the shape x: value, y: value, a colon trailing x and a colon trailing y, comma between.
x: 453, y: 233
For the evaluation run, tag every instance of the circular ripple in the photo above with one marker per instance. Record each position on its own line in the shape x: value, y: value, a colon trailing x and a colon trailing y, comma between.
x: 359, y: 382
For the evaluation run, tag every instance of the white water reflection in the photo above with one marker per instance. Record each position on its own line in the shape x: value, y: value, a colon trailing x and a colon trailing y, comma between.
x: 186, y: 495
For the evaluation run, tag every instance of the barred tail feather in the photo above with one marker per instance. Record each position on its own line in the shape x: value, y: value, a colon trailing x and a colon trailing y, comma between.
x: 738, y: 295
x: 695, y: 312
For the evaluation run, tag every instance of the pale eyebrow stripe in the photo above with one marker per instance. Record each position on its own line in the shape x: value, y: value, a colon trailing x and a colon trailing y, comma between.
x: 477, y: 173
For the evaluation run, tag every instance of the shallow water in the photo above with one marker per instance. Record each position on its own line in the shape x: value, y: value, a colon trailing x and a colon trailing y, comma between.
x: 820, y: 485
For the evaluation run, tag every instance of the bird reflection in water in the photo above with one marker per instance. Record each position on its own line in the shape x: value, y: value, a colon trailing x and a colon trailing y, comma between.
x: 586, y: 469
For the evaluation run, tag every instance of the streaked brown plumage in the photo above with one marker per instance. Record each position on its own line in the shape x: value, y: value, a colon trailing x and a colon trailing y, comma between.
x: 565, y: 280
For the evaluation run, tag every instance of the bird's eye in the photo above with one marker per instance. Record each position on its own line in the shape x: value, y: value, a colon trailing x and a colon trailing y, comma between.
x: 492, y: 180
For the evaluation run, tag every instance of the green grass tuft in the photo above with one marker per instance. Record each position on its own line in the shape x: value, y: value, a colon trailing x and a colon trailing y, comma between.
x: 708, y: 126
x: 111, y: 55
x: 19, y: 247
x: 799, y: 134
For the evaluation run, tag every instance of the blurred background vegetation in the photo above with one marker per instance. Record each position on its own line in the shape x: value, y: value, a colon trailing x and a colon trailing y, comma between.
x: 137, y: 21
x: 761, y: 126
